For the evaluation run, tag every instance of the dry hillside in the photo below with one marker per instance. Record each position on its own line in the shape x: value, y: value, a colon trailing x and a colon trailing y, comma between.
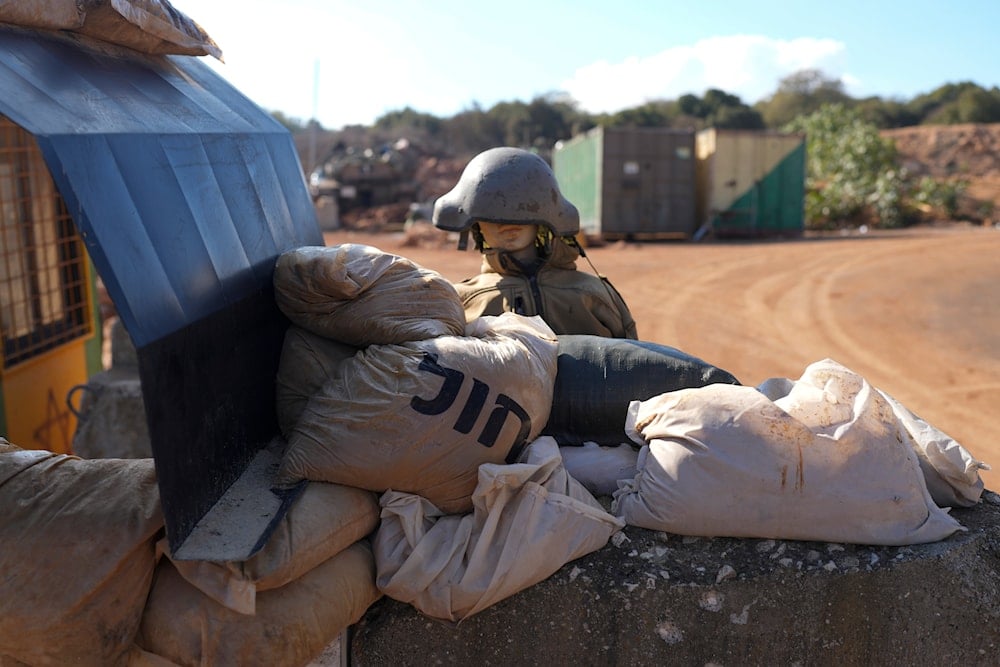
x: 969, y: 152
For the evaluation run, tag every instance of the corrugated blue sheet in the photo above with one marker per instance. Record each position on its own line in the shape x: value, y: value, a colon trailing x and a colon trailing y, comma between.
x: 184, y: 190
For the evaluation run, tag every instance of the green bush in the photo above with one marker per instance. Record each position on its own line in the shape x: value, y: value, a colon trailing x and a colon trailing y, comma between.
x: 851, y: 171
x: 940, y: 197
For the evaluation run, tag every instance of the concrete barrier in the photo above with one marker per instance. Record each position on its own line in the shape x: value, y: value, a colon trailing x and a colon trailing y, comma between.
x: 652, y: 598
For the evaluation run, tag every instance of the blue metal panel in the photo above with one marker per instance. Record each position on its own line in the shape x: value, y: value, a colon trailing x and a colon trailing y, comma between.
x: 184, y: 190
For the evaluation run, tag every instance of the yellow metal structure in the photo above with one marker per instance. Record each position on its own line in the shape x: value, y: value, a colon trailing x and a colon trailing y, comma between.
x: 35, y: 398
x: 48, y: 315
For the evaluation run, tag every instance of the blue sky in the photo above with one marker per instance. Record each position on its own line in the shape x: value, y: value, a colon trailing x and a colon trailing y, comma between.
x: 346, y: 62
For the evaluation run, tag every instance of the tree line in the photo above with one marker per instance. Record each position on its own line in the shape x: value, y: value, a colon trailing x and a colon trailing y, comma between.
x: 555, y: 116
x: 853, y: 175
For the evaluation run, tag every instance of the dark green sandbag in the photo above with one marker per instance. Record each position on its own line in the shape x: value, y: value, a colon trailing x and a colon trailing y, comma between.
x: 598, y: 377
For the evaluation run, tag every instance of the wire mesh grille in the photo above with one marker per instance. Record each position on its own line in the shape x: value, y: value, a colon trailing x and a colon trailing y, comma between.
x: 43, y: 278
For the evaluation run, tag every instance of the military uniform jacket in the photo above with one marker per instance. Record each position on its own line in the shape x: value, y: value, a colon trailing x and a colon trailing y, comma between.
x: 570, y: 301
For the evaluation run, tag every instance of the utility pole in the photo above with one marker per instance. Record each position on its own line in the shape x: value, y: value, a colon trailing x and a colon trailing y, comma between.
x: 314, y: 124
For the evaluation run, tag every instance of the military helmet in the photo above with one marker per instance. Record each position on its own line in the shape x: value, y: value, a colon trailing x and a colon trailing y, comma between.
x: 507, y: 185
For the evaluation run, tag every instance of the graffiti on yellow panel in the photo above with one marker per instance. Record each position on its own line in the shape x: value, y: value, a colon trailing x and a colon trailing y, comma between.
x: 56, y: 431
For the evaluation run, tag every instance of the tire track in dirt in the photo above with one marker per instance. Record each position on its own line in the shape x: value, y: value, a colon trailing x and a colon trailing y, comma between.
x: 765, y: 310
x: 882, y: 334
x: 915, y: 360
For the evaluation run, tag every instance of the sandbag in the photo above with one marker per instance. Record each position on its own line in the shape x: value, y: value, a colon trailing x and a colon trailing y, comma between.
x: 599, y: 467
x: 307, y: 361
x: 421, y: 417
x: 360, y: 295
x: 529, y: 519
x: 323, y: 521
x: 598, y: 377
x: 77, y: 555
x: 148, y: 26
x: 293, y: 623
x: 825, y: 462
x: 950, y: 470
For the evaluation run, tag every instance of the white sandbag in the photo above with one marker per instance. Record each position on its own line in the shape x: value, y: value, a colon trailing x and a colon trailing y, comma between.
x: 598, y: 467
x: 324, y: 521
x: 148, y: 26
x: 950, y: 471
x: 77, y: 555
x: 307, y: 361
x: 826, y: 462
x: 292, y: 626
x: 529, y: 519
x: 360, y: 295
x: 421, y: 417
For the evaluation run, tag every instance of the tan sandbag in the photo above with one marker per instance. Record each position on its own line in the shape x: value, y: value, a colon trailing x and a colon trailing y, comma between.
x: 307, y: 361
x: 48, y: 14
x: 826, y: 462
x: 529, y: 519
x: 148, y: 26
x: 292, y: 625
x: 324, y: 521
x: 77, y: 555
x: 421, y: 417
x: 360, y: 295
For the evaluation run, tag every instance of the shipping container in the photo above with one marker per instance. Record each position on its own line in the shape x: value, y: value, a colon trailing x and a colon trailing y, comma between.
x: 750, y: 182
x: 631, y: 183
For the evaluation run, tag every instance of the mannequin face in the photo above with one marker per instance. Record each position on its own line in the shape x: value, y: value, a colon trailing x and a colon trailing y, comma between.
x: 507, y: 237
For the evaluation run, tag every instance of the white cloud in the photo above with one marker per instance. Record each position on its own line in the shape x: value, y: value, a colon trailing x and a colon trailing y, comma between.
x: 749, y: 66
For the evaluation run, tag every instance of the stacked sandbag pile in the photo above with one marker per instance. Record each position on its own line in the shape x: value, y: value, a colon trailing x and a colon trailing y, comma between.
x: 86, y: 582
x: 315, y: 575
x: 423, y: 401
x: 312, y: 578
x: 383, y: 386
x: 77, y: 557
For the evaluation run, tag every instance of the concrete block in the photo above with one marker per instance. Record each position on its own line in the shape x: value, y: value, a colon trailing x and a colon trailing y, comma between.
x: 652, y: 598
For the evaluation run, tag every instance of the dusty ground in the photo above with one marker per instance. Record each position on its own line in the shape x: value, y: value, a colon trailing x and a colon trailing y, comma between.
x: 916, y: 312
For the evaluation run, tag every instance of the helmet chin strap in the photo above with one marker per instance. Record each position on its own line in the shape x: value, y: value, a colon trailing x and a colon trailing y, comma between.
x: 463, y: 239
x: 574, y: 243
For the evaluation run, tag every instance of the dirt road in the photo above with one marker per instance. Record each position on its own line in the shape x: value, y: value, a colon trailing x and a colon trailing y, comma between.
x: 915, y: 312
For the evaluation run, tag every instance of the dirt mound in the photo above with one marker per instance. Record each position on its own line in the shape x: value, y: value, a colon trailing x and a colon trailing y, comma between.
x: 969, y: 152
x: 438, y: 175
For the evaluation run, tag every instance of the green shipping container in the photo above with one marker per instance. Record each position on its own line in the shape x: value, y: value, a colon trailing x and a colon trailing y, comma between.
x: 750, y: 182
x: 636, y: 183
